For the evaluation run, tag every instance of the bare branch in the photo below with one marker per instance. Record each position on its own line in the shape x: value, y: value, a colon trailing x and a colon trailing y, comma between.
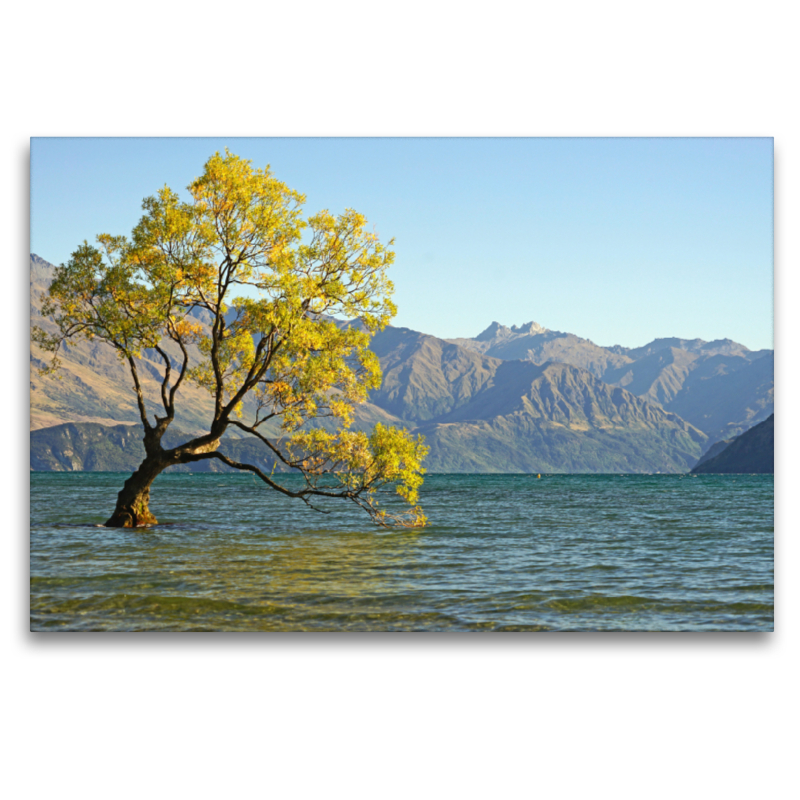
x: 165, y: 382
x: 139, y: 394
x: 254, y: 432
x: 184, y: 367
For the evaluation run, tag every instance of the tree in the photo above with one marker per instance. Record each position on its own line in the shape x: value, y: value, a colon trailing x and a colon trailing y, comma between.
x: 239, y: 275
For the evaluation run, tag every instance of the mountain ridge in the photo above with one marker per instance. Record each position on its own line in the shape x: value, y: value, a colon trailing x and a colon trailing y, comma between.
x: 689, y: 377
x: 479, y: 411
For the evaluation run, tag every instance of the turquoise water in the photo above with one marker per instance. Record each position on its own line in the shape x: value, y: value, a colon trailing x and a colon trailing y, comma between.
x: 502, y: 553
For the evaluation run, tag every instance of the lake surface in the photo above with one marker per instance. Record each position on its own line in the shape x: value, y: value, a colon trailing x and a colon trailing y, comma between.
x: 501, y: 553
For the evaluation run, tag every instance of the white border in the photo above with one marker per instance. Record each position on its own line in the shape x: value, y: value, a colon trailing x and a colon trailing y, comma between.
x: 378, y: 716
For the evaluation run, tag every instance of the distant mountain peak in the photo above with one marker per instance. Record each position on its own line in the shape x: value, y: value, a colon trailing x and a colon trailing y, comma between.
x: 495, y: 329
x: 41, y: 271
x: 529, y: 328
x: 699, y: 346
x: 498, y: 331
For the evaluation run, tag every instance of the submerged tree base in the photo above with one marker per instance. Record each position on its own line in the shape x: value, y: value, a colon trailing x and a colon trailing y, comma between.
x: 131, y: 518
x: 127, y: 518
x: 133, y: 502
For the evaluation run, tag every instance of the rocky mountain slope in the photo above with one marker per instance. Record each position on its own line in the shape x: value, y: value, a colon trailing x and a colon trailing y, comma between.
x: 712, y: 451
x: 753, y: 451
x: 720, y: 387
x: 557, y: 418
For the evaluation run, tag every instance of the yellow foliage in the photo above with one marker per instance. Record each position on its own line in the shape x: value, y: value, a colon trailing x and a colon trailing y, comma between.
x: 277, y: 288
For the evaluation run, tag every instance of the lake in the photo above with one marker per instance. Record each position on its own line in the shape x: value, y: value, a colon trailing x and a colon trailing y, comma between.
x: 501, y: 553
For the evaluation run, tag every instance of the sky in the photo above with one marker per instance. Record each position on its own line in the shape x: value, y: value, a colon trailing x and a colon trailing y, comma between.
x: 618, y: 240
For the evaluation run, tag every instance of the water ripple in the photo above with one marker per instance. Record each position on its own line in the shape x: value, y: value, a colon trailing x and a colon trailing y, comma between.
x: 502, y: 552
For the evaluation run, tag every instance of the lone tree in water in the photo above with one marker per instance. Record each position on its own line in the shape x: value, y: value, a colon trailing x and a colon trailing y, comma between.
x: 269, y: 285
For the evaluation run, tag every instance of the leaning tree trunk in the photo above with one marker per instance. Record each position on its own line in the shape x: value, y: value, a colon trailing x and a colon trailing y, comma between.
x: 133, y: 502
x: 132, y: 509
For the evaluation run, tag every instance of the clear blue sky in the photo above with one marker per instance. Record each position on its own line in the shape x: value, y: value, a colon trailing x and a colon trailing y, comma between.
x: 616, y: 240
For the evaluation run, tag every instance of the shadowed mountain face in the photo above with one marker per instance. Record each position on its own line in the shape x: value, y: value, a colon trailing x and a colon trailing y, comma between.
x: 563, y: 395
x: 712, y: 451
x: 753, y: 451
x: 425, y: 377
x: 556, y: 418
x: 724, y: 397
x: 657, y: 377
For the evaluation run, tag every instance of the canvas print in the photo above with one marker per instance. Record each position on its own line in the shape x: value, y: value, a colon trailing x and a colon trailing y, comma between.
x: 390, y: 384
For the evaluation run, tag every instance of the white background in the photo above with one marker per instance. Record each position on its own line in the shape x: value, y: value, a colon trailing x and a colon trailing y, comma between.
x: 377, y: 716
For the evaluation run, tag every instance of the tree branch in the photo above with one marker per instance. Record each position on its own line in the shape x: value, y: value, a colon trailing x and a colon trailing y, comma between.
x: 266, y: 441
x: 168, y: 409
x: 139, y: 394
x: 184, y: 367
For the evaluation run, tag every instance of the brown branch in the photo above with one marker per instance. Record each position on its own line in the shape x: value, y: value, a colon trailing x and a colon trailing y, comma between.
x: 170, y: 412
x: 253, y: 375
x: 139, y: 394
x: 347, y: 494
x: 254, y: 432
x: 184, y: 367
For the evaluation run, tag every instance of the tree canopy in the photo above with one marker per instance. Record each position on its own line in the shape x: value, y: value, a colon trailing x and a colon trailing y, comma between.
x: 274, y: 307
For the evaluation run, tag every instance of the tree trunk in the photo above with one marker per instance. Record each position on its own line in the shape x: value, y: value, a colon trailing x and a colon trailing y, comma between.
x: 132, y: 509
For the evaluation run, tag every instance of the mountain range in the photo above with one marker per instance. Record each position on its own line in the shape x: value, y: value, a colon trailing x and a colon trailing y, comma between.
x: 720, y: 387
x: 518, y: 399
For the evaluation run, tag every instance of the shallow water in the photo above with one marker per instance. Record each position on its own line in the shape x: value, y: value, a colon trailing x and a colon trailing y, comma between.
x: 501, y: 552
